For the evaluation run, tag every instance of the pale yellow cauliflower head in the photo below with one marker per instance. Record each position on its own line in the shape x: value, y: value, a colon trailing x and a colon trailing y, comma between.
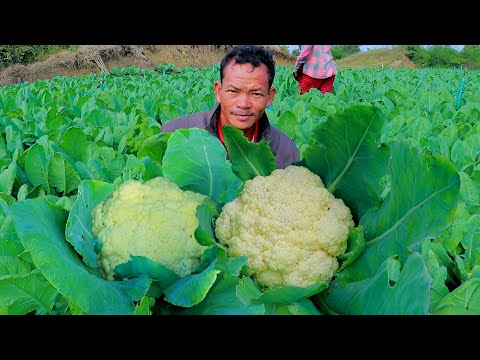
x: 155, y: 219
x: 289, y: 226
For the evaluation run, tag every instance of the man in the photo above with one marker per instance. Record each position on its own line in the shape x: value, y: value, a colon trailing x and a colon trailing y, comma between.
x: 244, y: 91
x: 315, y: 68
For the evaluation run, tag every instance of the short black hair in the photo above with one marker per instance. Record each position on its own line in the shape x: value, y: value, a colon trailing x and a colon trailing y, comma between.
x: 250, y: 54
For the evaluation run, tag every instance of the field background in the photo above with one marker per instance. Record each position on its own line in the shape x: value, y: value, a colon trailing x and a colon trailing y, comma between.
x: 81, y: 61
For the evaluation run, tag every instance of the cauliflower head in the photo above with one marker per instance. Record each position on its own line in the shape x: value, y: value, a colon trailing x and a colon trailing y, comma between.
x: 155, y: 219
x: 291, y: 228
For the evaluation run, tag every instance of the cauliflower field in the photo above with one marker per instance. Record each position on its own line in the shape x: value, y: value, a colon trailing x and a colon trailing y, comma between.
x: 100, y: 213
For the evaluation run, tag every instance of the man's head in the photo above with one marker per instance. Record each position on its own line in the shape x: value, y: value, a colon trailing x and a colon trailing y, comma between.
x: 245, y: 88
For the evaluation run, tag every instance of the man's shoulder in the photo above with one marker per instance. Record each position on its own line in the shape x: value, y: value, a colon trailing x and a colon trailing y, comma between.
x: 199, y: 119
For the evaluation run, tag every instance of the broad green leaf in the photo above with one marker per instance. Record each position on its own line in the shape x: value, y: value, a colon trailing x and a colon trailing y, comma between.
x: 205, y: 214
x: 195, y: 160
x: 468, y: 190
x: 10, y: 244
x: 13, y: 139
x: 420, y: 129
x: 421, y: 204
x: 464, y: 300
x: 7, y: 178
x: 457, y: 153
x: 22, y: 192
x: 287, y: 122
x: 154, y: 147
x: 78, y: 231
x: 355, y: 246
x: 233, y: 266
x: 348, y: 157
x: 62, y: 174
x: 141, y: 265
x: 145, y: 306
x: 248, y: 159
x: 191, y: 289
x: 300, y: 307
x: 26, y: 294
x: 13, y: 267
x: 410, y: 295
x: 451, y: 236
x: 438, y: 290
x: 471, y: 242
x: 36, y: 165
x: 41, y: 227
x: 74, y: 142
x: 152, y: 168
x: 222, y: 300
x: 288, y: 294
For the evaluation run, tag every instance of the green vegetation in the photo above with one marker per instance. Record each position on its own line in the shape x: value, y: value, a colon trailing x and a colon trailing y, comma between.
x: 27, y: 54
x: 400, y: 148
x: 435, y: 56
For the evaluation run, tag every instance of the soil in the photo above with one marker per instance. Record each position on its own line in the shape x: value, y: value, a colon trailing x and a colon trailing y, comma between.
x: 92, y: 58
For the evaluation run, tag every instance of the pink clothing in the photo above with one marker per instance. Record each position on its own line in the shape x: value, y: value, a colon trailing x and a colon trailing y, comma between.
x: 317, y: 61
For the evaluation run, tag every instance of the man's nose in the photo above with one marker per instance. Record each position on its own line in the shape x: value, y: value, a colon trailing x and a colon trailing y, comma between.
x: 244, y: 100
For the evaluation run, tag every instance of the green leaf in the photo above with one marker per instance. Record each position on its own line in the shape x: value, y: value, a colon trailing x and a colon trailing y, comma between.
x: 192, y: 289
x: 62, y: 174
x: 464, y: 300
x: 468, y: 190
x: 300, y: 307
x: 28, y: 293
x: 248, y: 159
x: 355, y: 246
x: 222, y: 300
x: 410, y: 294
x: 78, y: 230
x: 154, y: 147
x: 421, y: 204
x: 471, y: 242
x: 196, y: 160
x: 233, y: 266
x: 438, y: 290
x: 205, y: 213
x: 13, y: 267
x: 7, y: 178
x: 36, y: 165
x: 141, y: 265
x: 145, y: 306
x: 289, y: 294
x: 75, y: 143
x: 41, y: 227
x: 10, y: 244
x: 347, y: 157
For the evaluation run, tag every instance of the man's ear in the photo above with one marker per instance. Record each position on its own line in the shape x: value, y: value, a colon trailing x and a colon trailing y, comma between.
x: 271, y: 95
x: 217, y: 86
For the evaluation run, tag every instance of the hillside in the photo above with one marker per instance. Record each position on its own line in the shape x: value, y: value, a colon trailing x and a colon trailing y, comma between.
x: 89, y: 59
x: 377, y: 58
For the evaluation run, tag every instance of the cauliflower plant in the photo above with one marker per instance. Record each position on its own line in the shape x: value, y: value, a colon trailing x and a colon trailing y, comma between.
x: 291, y: 228
x: 155, y: 219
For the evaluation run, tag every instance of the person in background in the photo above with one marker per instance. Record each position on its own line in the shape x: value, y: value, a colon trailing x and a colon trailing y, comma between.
x: 243, y: 92
x: 315, y: 68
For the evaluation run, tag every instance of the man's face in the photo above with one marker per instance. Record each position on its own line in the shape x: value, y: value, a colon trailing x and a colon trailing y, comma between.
x: 243, y: 94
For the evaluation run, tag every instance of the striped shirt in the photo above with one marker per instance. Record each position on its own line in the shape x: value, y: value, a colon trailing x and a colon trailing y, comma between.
x: 317, y: 61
